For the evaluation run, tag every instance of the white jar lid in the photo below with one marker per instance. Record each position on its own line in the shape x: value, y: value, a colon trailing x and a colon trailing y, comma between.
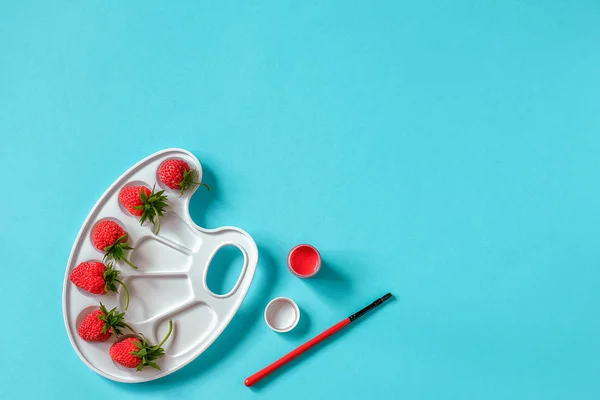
x: 282, y: 314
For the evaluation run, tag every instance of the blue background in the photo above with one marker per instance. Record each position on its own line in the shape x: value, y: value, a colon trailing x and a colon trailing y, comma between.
x: 444, y: 151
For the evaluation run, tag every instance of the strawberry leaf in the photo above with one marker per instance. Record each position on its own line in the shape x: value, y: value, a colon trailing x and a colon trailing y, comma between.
x: 149, y: 354
x: 153, y: 206
x: 117, y: 250
x: 114, y: 321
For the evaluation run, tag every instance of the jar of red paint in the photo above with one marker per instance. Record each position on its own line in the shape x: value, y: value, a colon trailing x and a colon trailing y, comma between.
x: 304, y: 261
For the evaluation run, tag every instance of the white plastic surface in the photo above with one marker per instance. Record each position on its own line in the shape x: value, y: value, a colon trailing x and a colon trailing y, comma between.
x: 170, y: 282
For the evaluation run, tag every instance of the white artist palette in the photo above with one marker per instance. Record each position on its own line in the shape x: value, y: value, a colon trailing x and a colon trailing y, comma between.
x: 170, y: 283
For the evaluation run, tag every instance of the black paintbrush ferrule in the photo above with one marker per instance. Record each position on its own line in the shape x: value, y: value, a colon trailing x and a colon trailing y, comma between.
x: 368, y: 308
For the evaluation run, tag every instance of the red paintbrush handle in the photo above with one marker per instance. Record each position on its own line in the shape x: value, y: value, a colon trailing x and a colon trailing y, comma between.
x: 295, y: 353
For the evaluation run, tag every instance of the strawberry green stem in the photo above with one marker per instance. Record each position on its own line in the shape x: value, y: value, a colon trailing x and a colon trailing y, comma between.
x: 157, y: 220
x: 130, y: 264
x: 166, y: 337
x: 202, y: 184
x: 129, y: 327
x: 126, y: 293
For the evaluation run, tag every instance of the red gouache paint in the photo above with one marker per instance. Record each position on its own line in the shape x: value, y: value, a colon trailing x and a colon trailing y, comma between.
x: 304, y: 261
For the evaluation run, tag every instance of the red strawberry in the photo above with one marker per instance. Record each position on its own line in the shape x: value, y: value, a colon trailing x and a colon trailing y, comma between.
x: 130, y: 197
x: 135, y: 352
x: 121, y: 351
x: 98, y: 325
x: 109, y: 237
x: 97, y: 278
x: 143, y: 202
x: 177, y: 174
